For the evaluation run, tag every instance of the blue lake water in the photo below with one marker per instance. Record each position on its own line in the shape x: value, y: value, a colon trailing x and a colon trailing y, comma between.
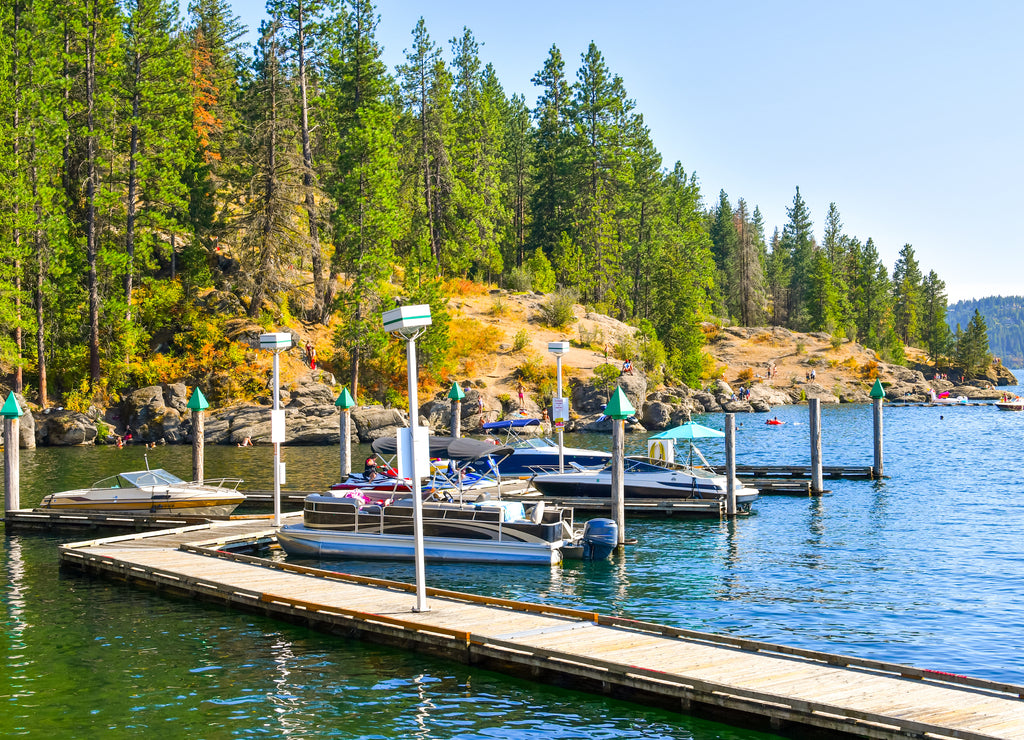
x: 925, y: 567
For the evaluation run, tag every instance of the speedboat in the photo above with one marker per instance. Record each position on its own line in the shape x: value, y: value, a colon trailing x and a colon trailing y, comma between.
x: 151, y: 492
x: 534, y: 454
x: 452, y: 461
x: 481, y: 531
x: 1010, y: 403
x: 644, y: 477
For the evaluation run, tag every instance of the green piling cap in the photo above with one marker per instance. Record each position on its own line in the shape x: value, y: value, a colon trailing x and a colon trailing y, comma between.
x: 11, y: 409
x: 197, y: 402
x: 876, y: 389
x: 456, y: 393
x: 345, y: 400
x: 619, y: 406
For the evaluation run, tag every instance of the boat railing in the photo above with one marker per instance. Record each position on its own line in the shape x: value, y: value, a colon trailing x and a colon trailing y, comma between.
x: 230, y: 483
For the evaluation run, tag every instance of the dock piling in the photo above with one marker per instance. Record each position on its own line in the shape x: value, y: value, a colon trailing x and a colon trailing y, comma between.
x: 877, y: 396
x: 197, y: 403
x: 11, y: 412
x: 730, y: 463
x: 345, y: 402
x: 817, y: 486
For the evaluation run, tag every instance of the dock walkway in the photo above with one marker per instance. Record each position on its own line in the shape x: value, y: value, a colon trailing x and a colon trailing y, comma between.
x: 734, y: 680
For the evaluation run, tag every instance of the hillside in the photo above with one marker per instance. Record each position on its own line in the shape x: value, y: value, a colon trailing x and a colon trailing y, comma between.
x: 1004, y: 317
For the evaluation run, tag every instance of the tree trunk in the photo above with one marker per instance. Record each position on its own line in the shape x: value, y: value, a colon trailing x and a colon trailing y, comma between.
x: 91, y: 227
x: 316, y: 256
x: 133, y: 188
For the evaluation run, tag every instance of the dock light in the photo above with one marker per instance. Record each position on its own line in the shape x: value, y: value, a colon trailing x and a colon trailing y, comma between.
x: 559, y: 405
x: 409, y: 322
x: 277, y: 342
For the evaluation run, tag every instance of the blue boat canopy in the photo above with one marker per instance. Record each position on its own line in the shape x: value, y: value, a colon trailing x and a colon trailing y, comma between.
x: 510, y: 424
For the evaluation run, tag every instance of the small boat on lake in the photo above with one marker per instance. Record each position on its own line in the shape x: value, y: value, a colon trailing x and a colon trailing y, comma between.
x: 644, y: 478
x: 534, y: 454
x: 151, y: 492
x: 1010, y: 403
x: 481, y: 531
x: 367, y: 522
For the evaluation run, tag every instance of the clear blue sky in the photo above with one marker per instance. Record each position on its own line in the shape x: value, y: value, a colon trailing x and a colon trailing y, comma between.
x: 908, y: 115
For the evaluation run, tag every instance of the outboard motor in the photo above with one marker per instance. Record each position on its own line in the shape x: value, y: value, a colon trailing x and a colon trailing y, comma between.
x: 600, y: 536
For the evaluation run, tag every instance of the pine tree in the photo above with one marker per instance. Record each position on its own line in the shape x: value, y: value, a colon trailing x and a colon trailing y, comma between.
x: 517, y: 183
x: 550, y: 204
x: 906, y: 287
x: 934, y: 329
x: 274, y: 171
x: 798, y: 247
x: 160, y: 126
x: 971, y: 354
x: 305, y: 24
x: 722, y: 230
x: 746, y: 265
x: 368, y: 219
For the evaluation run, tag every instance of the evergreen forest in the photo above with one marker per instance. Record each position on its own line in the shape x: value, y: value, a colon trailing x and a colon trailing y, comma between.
x: 1004, y: 318
x: 149, y: 157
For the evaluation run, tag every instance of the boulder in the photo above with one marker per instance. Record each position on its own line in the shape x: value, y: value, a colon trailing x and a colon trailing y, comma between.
x: 374, y: 422
x: 602, y: 424
x: 312, y: 394
x: 813, y: 390
x: 62, y: 428
x: 762, y: 395
x: 149, y: 418
x: 588, y: 397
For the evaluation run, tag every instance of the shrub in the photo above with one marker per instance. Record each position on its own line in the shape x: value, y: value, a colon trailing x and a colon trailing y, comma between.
x: 498, y: 307
x: 520, y: 341
x: 520, y: 280
x: 542, y: 275
x: 591, y: 338
x: 869, y: 370
x: 746, y: 377
x: 533, y: 370
x: 557, y: 311
x: 801, y: 348
x: 837, y: 339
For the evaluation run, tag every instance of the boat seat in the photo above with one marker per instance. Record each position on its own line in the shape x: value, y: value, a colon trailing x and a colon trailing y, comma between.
x: 537, y: 515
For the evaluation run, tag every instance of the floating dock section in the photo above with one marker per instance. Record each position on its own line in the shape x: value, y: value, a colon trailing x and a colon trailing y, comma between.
x: 742, y: 682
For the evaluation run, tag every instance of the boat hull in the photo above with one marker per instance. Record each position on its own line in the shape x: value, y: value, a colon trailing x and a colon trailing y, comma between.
x: 524, y: 462
x: 303, y: 541
x: 221, y: 506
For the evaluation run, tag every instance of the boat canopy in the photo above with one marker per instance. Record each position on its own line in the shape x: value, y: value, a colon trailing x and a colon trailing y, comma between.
x: 689, y: 430
x: 456, y: 448
x: 510, y: 424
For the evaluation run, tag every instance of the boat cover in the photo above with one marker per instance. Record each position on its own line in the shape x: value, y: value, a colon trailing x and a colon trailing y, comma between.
x: 510, y: 424
x: 456, y: 448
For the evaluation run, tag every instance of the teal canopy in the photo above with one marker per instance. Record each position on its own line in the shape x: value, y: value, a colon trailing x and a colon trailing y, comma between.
x: 689, y: 430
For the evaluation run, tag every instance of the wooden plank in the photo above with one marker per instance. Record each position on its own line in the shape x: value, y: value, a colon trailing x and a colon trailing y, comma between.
x: 794, y: 685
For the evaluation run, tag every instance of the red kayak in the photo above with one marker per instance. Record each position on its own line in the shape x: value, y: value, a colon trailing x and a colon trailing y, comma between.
x: 774, y: 422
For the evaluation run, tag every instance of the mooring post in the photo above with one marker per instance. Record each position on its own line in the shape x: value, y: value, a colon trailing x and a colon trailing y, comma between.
x: 197, y: 403
x: 817, y: 485
x: 456, y: 395
x: 877, y: 396
x: 618, y: 410
x: 11, y: 412
x: 345, y: 402
x: 730, y: 464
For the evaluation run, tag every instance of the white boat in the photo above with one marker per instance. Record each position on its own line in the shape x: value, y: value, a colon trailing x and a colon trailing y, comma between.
x: 1010, y: 403
x: 485, y: 531
x: 644, y: 477
x: 151, y: 492
x: 533, y: 454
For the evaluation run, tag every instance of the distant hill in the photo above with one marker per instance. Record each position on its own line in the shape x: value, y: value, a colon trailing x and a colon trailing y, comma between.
x: 1004, y: 316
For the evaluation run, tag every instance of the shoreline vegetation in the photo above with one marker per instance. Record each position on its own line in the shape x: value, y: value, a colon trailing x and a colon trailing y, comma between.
x: 167, y: 206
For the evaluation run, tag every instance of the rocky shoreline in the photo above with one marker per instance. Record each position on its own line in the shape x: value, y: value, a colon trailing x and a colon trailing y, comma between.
x: 159, y: 415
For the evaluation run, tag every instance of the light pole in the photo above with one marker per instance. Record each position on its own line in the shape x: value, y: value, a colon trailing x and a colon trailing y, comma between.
x: 410, y: 322
x: 559, y: 407
x: 277, y: 342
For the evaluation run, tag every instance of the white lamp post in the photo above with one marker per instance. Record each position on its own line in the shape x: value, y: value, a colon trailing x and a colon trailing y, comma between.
x: 410, y: 322
x: 559, y: 408
x: 277, y: 342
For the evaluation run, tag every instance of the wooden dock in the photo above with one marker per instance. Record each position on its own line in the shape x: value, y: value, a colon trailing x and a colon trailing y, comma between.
x: 77, y: 520
x: 803, y: 472
x: 745, y: 682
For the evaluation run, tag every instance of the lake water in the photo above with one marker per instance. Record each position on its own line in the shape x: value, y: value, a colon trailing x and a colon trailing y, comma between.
x: 924, y: 568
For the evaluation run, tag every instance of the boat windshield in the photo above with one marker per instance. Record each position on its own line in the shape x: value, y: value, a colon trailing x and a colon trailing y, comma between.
x: 141, y: 478
x: 648, y: 465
